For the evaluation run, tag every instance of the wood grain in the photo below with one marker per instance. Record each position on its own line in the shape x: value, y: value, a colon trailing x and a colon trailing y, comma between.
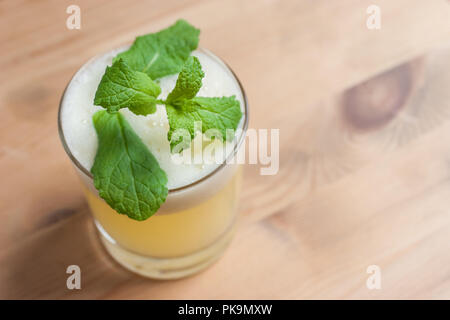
x: 365, y: 165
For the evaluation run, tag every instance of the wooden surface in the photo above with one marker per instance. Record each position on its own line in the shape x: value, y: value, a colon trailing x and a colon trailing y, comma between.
x: 365, y: 148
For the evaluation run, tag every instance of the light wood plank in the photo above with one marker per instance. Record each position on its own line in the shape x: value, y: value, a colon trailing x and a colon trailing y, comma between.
x: 364, y: 175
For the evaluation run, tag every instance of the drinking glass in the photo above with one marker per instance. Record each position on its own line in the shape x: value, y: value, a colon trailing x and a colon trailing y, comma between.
x: 191, y: 229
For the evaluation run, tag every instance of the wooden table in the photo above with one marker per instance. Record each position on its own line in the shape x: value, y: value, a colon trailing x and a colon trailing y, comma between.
x: 364, y: 176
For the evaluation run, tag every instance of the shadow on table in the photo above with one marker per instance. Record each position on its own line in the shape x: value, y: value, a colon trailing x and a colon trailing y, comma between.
x: 36, y: 268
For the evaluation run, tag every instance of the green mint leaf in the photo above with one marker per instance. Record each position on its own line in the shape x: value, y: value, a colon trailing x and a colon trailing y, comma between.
x: 214, y: 113
x: 162, y: 53
x: 126, y: 174
x: 188, y: 83
x: 122, y: 87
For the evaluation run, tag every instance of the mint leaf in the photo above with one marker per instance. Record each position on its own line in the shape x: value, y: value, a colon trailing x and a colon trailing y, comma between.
x: 162, y: 53
x: 214, y: 113
x: 188, y: 83
x: 126, y: 174
x: 122, y: 87
x: 184, y: 108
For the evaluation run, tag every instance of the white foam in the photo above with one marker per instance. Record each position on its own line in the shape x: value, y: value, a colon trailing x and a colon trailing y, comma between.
x: 78, y: 109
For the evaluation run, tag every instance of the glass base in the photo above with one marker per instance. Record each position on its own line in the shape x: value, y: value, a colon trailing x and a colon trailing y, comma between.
x: 166, y: 268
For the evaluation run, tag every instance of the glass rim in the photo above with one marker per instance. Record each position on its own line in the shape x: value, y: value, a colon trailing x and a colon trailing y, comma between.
x: 187, y: 186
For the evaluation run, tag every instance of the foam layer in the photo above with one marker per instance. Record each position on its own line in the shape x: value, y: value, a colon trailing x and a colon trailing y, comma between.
x: 78, y: 109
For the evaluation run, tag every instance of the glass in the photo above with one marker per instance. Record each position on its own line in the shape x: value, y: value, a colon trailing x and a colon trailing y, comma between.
x: 191, y: 229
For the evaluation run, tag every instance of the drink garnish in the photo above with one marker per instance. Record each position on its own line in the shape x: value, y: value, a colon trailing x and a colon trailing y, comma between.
x: 126, y: 174
x: 184, y: 108
x: 162, y: 53
x: 122, y: 87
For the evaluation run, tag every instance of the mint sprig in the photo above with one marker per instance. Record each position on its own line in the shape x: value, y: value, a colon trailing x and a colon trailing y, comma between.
x: 126, y: 174
x: 162, y: 53
x: 122, y: 87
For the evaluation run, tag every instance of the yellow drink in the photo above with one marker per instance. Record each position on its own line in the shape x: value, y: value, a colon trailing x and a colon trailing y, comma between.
x: 170, y: 244
x: 167, y: 235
